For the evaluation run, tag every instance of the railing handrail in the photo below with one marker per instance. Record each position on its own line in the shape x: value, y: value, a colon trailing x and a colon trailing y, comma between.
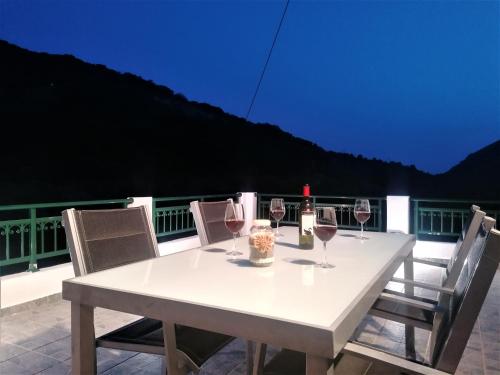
x: 187, y: 197
x: 15, y: 207
x: 319, y: 196
x: 29, y: 238
x: 454, y: 200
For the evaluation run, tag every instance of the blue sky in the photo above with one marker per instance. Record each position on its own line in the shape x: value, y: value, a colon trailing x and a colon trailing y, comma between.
x: 410, y: 81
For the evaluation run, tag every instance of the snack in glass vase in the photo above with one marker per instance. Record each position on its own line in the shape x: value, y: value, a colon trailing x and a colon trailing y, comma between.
x: 261, y: 242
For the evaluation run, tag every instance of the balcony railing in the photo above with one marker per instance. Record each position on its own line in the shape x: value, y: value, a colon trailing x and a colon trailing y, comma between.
x: 19, y: 244
x: 438, y: 218
x: 32, y: 232
x: 172, y: 216
x: 344, y: 209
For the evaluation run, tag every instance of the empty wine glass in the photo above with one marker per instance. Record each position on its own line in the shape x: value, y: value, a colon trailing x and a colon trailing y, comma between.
x: 362, y: 213
x: 234, y: 219
x: 277, y: 212
x: 325, y: 227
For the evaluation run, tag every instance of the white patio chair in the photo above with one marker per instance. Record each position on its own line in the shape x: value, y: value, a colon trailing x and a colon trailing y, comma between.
x: 209, y: 221
x: 417, y: 311
x: 453, y: 265
x: 103, y: 239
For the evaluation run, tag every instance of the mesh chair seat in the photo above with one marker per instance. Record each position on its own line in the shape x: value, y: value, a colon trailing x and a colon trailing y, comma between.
x: 197, y: 344
x: 417, y: 315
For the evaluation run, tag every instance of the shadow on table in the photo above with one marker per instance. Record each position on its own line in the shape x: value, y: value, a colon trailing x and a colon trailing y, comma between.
x: 214, y: 250
x: 299, y: 261
x: 288, y: 244
x: 348, y: 235
x: 241, y: 262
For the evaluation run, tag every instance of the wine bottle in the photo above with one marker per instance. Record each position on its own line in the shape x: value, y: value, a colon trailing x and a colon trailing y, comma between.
x: 306, y: 221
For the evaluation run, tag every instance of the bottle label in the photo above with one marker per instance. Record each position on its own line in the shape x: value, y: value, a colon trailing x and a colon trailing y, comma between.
x: 307, y: 224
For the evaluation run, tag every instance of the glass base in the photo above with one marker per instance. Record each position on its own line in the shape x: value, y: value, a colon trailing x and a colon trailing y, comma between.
x: 234, y: 253
x: 325, y: 265
x: 278, y: 234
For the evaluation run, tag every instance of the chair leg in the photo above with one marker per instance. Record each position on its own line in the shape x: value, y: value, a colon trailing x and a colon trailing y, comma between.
x: 249, y: 357
x: 259, y: 358
x: 409, y: 291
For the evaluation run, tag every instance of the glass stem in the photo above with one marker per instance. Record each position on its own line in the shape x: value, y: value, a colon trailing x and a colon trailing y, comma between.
x: 324, y: 253
x: 277, y: 227
x: 234, y: 243
x: 361, y: 230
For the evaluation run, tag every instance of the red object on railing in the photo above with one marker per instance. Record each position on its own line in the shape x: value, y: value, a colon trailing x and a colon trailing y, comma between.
x: 307, y: 191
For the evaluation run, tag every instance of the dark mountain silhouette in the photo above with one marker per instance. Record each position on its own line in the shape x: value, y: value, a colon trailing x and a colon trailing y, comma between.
x: 481, y: 167
x: 73, y: 130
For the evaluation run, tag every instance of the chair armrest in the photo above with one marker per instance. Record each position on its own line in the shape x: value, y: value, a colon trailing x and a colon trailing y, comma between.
x: 420, y: 284
x: 436, y: 262
x: 408, y: 301
x: 406, y: 366
x: 418, y: 298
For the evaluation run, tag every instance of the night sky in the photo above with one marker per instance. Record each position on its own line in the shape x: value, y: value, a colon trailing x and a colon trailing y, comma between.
x: 410, y: 81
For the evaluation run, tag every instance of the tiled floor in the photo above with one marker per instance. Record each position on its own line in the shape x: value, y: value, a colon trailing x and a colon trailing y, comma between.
x: 37, y: 341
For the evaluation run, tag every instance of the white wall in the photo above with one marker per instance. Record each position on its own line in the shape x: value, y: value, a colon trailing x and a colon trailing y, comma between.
x: 249, y: 202
x: 398, y: 213
x: 143, y: 201
x: 27, y: 286
x: 181, y: 244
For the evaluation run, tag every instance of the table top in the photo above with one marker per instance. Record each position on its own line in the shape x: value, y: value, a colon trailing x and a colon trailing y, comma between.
x: 292, y: 289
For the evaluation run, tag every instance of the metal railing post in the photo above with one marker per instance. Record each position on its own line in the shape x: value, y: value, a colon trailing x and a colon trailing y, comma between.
x: 379, y: 215
x: 415, y: 219
x: 258, y: 206
x: 153, y: 213
x: 33, y: 267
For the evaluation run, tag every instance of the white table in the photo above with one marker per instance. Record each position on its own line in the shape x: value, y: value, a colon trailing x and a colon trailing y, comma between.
x: 291, y: 304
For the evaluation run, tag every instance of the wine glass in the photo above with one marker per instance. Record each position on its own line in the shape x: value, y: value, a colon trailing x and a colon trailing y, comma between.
x: 234, y: 219
x: 277, y: 212
x: 362, y: 213
x: 325, y: 227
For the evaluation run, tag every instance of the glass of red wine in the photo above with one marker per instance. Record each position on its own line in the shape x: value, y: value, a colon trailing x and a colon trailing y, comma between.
x: 277, y: 210
x: 325, y: 227
x: 362, y: 213
x: 234, y: 219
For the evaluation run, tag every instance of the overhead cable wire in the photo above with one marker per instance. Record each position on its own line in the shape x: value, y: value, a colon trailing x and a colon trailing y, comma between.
x: 267, y: 60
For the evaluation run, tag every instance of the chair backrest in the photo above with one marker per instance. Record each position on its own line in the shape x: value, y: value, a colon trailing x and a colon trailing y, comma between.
x: 453, y: 325
x: 209, y: 221
x: 102, y: 239
x: 463, y: 246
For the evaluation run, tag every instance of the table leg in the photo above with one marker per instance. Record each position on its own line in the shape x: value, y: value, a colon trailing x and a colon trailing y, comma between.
x: 409, y: 291
x: 171, y: 349
x: 249, y: 357
x: 259, y: 358
x: 83, y: 356
x: 318, y: 365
